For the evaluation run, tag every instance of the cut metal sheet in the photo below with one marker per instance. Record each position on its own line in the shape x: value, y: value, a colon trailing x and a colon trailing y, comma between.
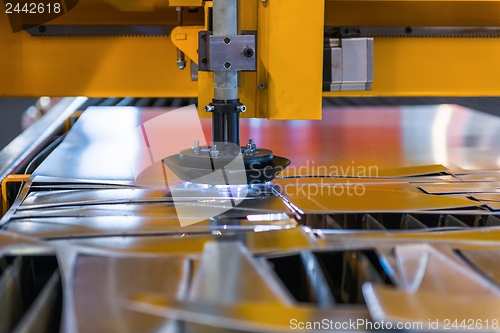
x: 481, y: 177
x: 486, y: 196
x: 10, y: 293
x: 111, y: 280
x: 389, y: 139
x: 422, y: 309
x: 250, y: 281
x: 244, y: 317
x: 367, y: 180
x: 314, y: 198
x: 426, y: 294
x: 56, y: 198
x: 61, y: 227
x: 257, y: 242
x: 486, y: 261
x: 460, y: 187
x: 39, y: 317
x: 493, y: 205
x: 363, y: 171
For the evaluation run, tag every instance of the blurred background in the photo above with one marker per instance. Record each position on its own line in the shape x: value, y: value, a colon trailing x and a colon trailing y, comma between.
x: 12, y: 110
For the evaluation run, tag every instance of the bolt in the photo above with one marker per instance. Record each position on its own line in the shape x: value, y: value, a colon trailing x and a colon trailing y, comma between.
x: 213, y: 151
x: 227, y: 65
x: 250, y: 148
x: 262, y: 86
x: 209, y: 108
x: 408, y: 30
x: 42, y: 29
x: 227, y: 40
x: 248, y: 52
x: 241, y: 108
x: 181, y: 64
x: 196, y: 147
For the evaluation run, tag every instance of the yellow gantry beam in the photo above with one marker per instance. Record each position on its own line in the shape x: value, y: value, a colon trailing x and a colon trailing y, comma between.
x: 290, y: 57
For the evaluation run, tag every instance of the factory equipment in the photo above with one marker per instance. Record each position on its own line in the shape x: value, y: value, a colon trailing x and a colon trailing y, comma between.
x: 373, y: 206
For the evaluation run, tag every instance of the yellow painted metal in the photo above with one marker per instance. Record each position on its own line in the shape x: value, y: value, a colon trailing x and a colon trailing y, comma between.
x: 186, y: 39
x: 95, y: 66
x: 409, y: 13
x: 247, y: 80
x: 291, y: 59
x: 289, y: 63
x: 5, y: 181
x: 434, y: 67
x: 186, y: 3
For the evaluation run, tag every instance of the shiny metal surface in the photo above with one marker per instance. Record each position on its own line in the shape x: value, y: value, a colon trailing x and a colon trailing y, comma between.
x: 381, y: 138
x: 128, y: 265
x: 355, y: 160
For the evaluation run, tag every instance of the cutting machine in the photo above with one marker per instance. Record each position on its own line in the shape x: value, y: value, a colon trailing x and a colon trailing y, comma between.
x: 385, y: 217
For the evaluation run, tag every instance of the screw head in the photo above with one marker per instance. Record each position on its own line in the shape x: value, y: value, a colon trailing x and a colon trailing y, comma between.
x: 248, y: 52
x: 196, y: 147
x: 262, y: 86
x: 213, y: 151
x: 227, y: 40
x: 181, y: 64
x: 227, y: 65
x: 209, y: 108
x: 241, y: 108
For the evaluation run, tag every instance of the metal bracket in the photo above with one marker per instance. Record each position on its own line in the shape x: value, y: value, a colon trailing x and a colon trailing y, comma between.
x: 348, y: 64
x: 221, y: 53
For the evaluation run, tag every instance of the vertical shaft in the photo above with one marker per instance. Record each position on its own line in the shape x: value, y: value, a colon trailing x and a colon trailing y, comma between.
x: 225, y: 23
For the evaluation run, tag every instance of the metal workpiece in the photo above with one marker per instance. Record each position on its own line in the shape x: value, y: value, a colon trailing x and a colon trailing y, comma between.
x: 348, y: 64
x: 377, y: 256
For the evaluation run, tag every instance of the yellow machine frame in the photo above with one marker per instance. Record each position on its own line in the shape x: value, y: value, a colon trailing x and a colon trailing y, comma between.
x: 290, y: 53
